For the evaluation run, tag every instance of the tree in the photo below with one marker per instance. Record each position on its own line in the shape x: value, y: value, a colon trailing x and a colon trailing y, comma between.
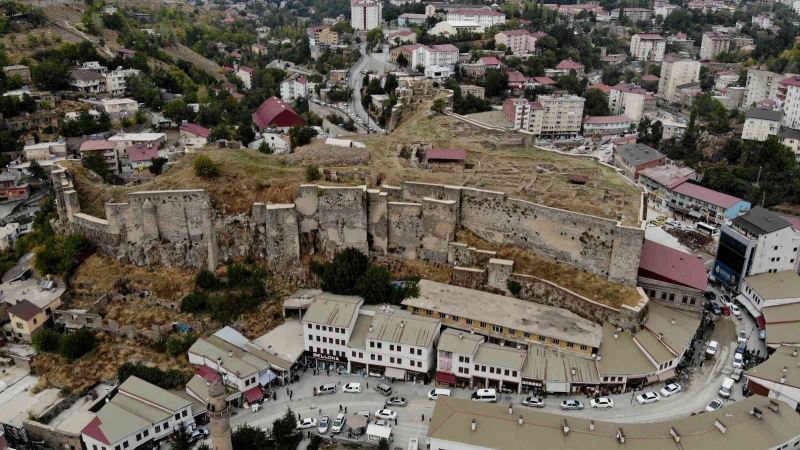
x: 438, y: 106
x: 204, y: 167
x: 341, y: 275
x: 169, y: 379
x: 245, y: 133
x: 157, y: 165
x: 300, y: 136
x: 284, y: 428
x: 495, y: 82
x: 402, y: 61
x: 95, y: 162
x: 596, y: 103
x: 264, y: 148
x: 182, y: 440
x: 374, y: 38
x: 37, y: 171
x: 178, y: 344
x: 46, y: 340
x: 206, y: 279
x: 247, y: 437
x: 195, y: 302
x: 178, y: 111
x: 374, y: 285
x: 73, y: 346
x: 313, y: 173
x: 51, y: 75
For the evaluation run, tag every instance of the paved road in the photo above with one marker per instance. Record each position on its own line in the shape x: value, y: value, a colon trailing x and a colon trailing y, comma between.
x: 375, y: 62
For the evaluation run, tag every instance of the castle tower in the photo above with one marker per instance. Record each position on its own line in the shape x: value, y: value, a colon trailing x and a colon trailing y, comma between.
x: 220, y: 426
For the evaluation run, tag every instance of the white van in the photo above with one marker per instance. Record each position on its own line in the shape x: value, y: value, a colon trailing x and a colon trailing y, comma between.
x: 435, y: 393
x: 725, y: 389
x: 485, y: 395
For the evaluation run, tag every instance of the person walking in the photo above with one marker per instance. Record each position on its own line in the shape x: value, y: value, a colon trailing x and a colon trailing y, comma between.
x: 340, y: 408
x: 367, y: 384
x: 345, y: 409
x: 320, y: 411
x: 423, y: 417
x: 395, y: 420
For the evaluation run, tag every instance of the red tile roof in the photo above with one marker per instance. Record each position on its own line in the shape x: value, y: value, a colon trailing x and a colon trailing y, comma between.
x: 446, y: 154
x: 650, y: 78
x: 275, y: 112
x: 569, y: 64
x: 792, y: 81
x: 195, y: 129
x: 598, y: 120
x: 707, y: 195
x: 663, y: 263
x: 489, y: 61
x: 547, y: 81
x: 604, y: 88
x: 97, y: 144
x: 142, y: 152
x: 443, y: 48
x: 515, y: 76
x: 247, y: 69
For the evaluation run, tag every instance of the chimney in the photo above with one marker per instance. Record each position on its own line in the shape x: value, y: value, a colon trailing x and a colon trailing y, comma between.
x: 757, y: 412
x: 720, y: 426
x: 230, y: 354
x: 474, y: 424
x: 675, y: 434
x: 520, y: 420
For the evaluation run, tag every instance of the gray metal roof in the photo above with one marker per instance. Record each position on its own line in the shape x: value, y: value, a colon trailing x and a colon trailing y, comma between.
x: 403, y: 328
x: 637, y: 154
x: 764, y: 114
x: 761, y: 221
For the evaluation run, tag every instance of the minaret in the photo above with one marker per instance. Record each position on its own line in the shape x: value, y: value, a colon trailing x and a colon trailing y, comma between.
x: 220, y: 426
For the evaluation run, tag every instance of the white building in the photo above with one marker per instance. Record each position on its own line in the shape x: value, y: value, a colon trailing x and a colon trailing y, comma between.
x: 116, y: 82
x: 630, y: 100
x: 520, y: 42
x: 246, y: 74
x: 761, y: 85
x: 485, y: 17
x: 607, y: 125
x: 648, y: 47
x: 193, y: 136
x: 88, y: 81
x: 453, y: 27
x: 434, y: 55
x: 771, y: 289
x: 562, y: 115
x: 117, y: 108
x: 327, y: 327
x: 524, y: 114
x: 779, y: 376
x: 44, y: 150
x: 759, y: 124
x: 366, y: 14
x: 791, y: 101
x: 713, y: 44
x: 278, y: 143
x: 294, y: 87
x: 676, y: 71
x: 762, y: 21
x: 139, y: 413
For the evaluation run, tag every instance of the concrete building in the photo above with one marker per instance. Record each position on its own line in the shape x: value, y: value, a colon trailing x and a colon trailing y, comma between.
x: 322, y: 35
x: 117, y: 108
x: 473, y: 90
x: 278, y: 143
x: 246, y: 74
x: 31, y: 304
x: 453, y: 27
x: 778, y: 377
x: 648, y: 47
x: 630, y: 100
x: 105, y: 148
x: 672, y: 277
x: 704, y: 204
x: 485, y: 17
x: 125, y: 140
x: 138, y: 415
x: 327, y: 328
x: 295, y: 87
x: 753, y: 423
x: 18, y: 70
x: 11, y: 186
x: 761, y: 85
x: 434, y: 55
x: 791, y: 138
x: 789, y: 93
x: 632, y: 158
x: 562, y: 115
x: 607, y: 125
x: 411, y: 19
x: 659, y: 181
x: 193, y: 136
x: 520, y: 42
x: 676, y: 71
x: 116, y: 80
x: 759, y: 124
x: 713, y: 44
x: 366, y: 14
x: 87, y: 82
x: 755, y: 243
x: 524, y: 114
x: 782, y: 325
x: 634, y: 14
x: 770, y: 289
x: 140, y: 156
x: 44, y: 151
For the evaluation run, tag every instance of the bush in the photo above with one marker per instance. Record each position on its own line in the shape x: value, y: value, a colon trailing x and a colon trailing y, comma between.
x: 195, y: 302
x: 247, y: 437
x: 514, y: 287
x: 178, y: 344
x: 170, y: 379
x: 206, y: 279
x: 73, y: 346
x: 313, y: 173
x: 46, y: 340
x: 204, y: 167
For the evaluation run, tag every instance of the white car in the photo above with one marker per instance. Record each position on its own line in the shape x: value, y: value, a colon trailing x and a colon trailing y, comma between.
x: 648, y: 397
x: 602, y: 402
x: 308, y: 422
x: 736, y: 311
x: 670, y: 389
x: 387, y: 414
x: 738, y: 361
x: 741, y: 336
x: 534, y: 402
x: 726, y: 300
x: 352, y: 388
x: 711, y: 350
x: 338, y: 424
x: 714, y: 405
x: 571, y: 405
x: 324, y: 424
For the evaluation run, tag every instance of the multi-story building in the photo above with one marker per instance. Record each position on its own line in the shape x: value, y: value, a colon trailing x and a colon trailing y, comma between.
x: 630, y: 100
x: 411, y: 19
x: 672, y: 277
x: 791, y: 138
x: 246, y: 74
x: 708, y: 205
x: 117, y: 108
x: 327, y: 327
x: 322, y: 35
x: 777, y: 377
x: 434, y: 55
x: 562, y: 115
x: 294, y: 87
x: 659, y: 181
x: 789, y: 93
x: 648, y: 47
x: 676, y: 71
x: 526, y: 115
x: 116, y: 81
x: 11, y: 186
x: 634, y: 14
x: 713, y: 44
x: 105, y: 148
x: 31, y: 304
x: 366, y: 14
x: 759, y: 124
x: 453, y: 28
x: 138, y: 415
x: 761, y: 85
x: 193, y: 136
x: 607, y: 125
x: 633, y: 158
x: 755, y: 243
x: 485, y: 17
x: 770, y: 289
x: 88, y: 81
x: 520, y: 42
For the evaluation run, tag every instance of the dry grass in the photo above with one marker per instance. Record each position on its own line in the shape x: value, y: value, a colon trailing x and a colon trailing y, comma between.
x: 99, y: 274
x: 592, y: 286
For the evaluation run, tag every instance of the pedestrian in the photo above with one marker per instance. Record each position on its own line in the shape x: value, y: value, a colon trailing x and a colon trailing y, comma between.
x: 423, y: 417
x: 298, y: 416
x: 345, y: 409
x: 328, y: 372
x: 291, y: 394
x: 287, y: 390
x: 395, y: 420
x: 367, y: 384
x: 340, y: 408
x: 320, y: 411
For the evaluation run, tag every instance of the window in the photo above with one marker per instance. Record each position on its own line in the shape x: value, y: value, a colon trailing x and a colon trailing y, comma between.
x: 685, y: 300
x: 514, y: 373
x: 353, y: 354
x: 399, y: 360
x: 477, y: 367
x: 380, y: 345
x: 309, y: 326
x: 584, y: 348
x: 317, y: 338
x: 527, y: 335
x: 380, y: 358
x: 372, y: 357
x: 441, y: 315
x: 483, y: 324
x: 125, y: 444
x: 391, y: 359
x: 497, y: 328
x: 468, y: 321
x: 506, y: 372
x: 146, y: 433
x: 371, y: 344
x: 663, y: 296
x: 541, y: 338
x: 455, y: 318
x: 391, y: 347
x: 117, y: 447
x: 158, y: 428
x: 491, y: 369
x: 429, y: 312
x: 399, y: 348
x: 360, y: 355
x: 556, y: 341
x: 672, y: 297
x: 570, y: 345
x: 177, y: 416
x: 317, y: 327
x: 419, y: 351
x: 139, y: 436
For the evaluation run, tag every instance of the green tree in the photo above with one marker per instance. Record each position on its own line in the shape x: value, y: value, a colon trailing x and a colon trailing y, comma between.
x: 46, y: 340
x: 73, y: 346
x: 178, y: 344
x: 374, y: 285
x: 178, y: 111
x: 95, y: 162
x: 341, y: 275
x: 169, y: 379
x: 51, y: 75
x: 37, y: 171
x: 157, y: 165
x: 374, y: 38
x: 438, y: 106
x: 204, y: 167
x: 247, y: 437
x: 264, y: 148
x: 313, y: 173
x: 596, y: 103
x: 195, y: 302
x: 402, y: 61
x: 206, y: 279
x: 495, y: 82
x: 181, y: 440
x: 284, y: 428
x: 300, y: 136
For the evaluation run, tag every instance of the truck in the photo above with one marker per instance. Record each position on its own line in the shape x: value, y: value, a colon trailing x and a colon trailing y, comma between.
x: 725, y: 389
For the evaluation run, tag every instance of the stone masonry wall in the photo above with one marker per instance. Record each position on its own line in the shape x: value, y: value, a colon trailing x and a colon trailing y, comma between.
x: 405, y: 229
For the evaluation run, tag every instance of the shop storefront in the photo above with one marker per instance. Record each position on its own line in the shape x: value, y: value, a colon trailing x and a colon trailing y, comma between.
x: 326, y: 361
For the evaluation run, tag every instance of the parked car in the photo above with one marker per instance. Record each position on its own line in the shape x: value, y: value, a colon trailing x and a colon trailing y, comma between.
x: 602, y: 402
x: 711, y: 350
x: 709, y: 295
x: 198, y: 434
x: 741, y: 336
x: 387, y: 414
x: 534, y: 402
x: 352, y: 388
x: 714, y: 405
x: 329, y: 388
x: 716, y: 308
x: 737, y: 374
x: 736, y: 311
x: 726, y: 300
x: 384, y: 389
x: 433, y: 394
x: 571, y: 405
x: 307, y: 422
x: 670, y: 389
x: 738, y: 361
x: 324, y: 424
x: 648, y: 397
x: 338, y: 424
x: 485, y: 395
x: 396, y: 401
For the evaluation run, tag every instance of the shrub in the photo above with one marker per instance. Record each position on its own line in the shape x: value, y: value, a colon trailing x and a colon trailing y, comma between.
x: 195, y: 302
x: 178, y: 344
x: 514, y: 287
x: 46, y: 340
x: 206, y: 279
x: 73, y: 346
x: 204, y: 167
x: 169, y: 379
x: 313, y: 173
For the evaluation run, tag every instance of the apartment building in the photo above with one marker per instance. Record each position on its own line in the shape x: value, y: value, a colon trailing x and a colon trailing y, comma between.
x: 327, y: 327
x: 759, y: 124
x: 562, y: 115
x: 710, y: 206
x: 607, y: 125
x: 713, y: 44
x: 630, y: 100
x: 789, y: 93
x: 117, y: 108
x: 246, y: 74
x: 294, y: 87
x: 116, y: 81
x: 322, y: 35
x: 11, y: 186
x: 633, y: 158
x: 138, y: 415
x: 485, y: 17
x: 434, y: 55
x: 526, y: 115
x: 520, y: 42
x: 761, y: 85
x: 366, y: 14
x: 755, y: 243
x: 105, y: 148
x: 635, y: 14
x: 87, y: 82
x: 675, y: 72
x: 648, y: 47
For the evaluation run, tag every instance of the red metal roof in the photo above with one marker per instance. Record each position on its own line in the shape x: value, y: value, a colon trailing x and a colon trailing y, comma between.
x: 253, y: 394
x: 515, y: 76
x: 142, y: 152
x: 275, y: 112
x: 446, y: 154
x: 707, y: 195
x: 92, y: 429
x: 489, y: 61
x: 664, y: 263
x: 97, y: 144
x: 209, y: 374
x: 195, y: 129
x: 793, y: 81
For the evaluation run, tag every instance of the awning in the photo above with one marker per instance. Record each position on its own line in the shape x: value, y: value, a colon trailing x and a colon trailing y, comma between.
x: 266, y: 378
x: 393, y: 372
x: 253, y: 395
x: 446, y: 378
x: 749, y: 306
x: 208, y: 373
